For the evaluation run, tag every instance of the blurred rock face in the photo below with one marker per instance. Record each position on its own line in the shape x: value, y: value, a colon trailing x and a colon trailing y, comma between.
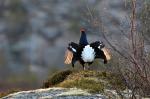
x: 34, y: 33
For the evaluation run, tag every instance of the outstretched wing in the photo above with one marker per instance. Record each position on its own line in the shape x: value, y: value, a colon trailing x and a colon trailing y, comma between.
x: 106, y: 53
x: 101, y: 51
x: 71, y: 52
x: 68, y: 57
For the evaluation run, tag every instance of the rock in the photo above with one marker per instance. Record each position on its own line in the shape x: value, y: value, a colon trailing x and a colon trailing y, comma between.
x: 68, y: 93
x: 55, y: 93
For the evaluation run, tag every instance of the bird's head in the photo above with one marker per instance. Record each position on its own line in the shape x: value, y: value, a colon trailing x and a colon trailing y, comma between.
x: 82, y: 30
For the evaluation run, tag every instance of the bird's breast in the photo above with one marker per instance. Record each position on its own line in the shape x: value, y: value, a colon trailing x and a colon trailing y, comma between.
x: 88, y: 54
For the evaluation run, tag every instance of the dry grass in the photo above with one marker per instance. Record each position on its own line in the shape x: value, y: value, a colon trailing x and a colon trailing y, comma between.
x: 2, y: 94
x: 92, y: 81
x: 56, y: 78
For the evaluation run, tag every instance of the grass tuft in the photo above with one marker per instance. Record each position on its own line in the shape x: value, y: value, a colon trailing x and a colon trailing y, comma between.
x: 3, y: 94
x: 84, y: 83
x: 56, y: 78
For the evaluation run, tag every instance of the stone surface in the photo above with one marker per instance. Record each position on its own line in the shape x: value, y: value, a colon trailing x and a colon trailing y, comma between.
x: 69, y: 93
x: 55, y: 93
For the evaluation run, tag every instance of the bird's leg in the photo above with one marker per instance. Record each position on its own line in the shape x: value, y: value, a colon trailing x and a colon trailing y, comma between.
x: 73, y: 65
x: 105, y: 61
x: 88, y: 67
x: 83, y: 67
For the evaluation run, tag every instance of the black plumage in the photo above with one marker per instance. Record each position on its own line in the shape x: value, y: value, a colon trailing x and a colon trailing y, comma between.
x: 85, y: 52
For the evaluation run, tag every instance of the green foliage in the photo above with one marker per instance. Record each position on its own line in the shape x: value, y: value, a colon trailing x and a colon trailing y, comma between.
x: 56, y: 78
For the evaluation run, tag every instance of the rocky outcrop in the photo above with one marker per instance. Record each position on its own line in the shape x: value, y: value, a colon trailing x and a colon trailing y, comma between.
x: 55, y: 93
x: 68, y: 93
x: 79, y: 85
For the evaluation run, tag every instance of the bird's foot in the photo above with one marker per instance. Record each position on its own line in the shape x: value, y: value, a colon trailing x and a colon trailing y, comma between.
x: 105, y: 61
x: 84, y: 68
x: 88, y: 67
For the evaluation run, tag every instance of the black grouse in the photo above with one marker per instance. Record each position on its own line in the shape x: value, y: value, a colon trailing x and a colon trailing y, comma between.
x: 85, y: 52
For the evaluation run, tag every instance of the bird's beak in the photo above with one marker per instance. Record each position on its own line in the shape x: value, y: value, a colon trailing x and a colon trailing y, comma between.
x: 107, y: 53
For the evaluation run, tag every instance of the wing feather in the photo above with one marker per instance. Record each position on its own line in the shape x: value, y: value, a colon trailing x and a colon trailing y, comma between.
x: 68, y: 57
x: 101, y: 51
x: 106, y: 53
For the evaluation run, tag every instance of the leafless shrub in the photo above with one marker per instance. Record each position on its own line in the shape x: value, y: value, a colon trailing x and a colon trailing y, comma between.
x: 137, y: 73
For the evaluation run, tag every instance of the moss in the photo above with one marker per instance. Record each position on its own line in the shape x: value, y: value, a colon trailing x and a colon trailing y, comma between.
x: 84, y: 83
x: 92, y: 81
x: 115, y: 81
x: 56, y: 78
x: 82, y: 74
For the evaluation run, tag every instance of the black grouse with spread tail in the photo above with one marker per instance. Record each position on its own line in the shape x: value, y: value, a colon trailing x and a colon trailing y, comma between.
x: 85, y: 52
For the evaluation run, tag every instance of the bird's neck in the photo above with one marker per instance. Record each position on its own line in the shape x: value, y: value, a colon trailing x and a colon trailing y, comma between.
x: 83, y: 39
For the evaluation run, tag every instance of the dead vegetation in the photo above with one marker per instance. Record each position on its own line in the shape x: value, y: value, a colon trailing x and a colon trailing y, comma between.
x: 93, y: 81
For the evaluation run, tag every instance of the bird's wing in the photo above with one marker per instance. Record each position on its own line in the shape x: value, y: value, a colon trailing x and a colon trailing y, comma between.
x: 68, y: 57
x: 101, y: 51
x: 71, y: 52
x: 106, y: 53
